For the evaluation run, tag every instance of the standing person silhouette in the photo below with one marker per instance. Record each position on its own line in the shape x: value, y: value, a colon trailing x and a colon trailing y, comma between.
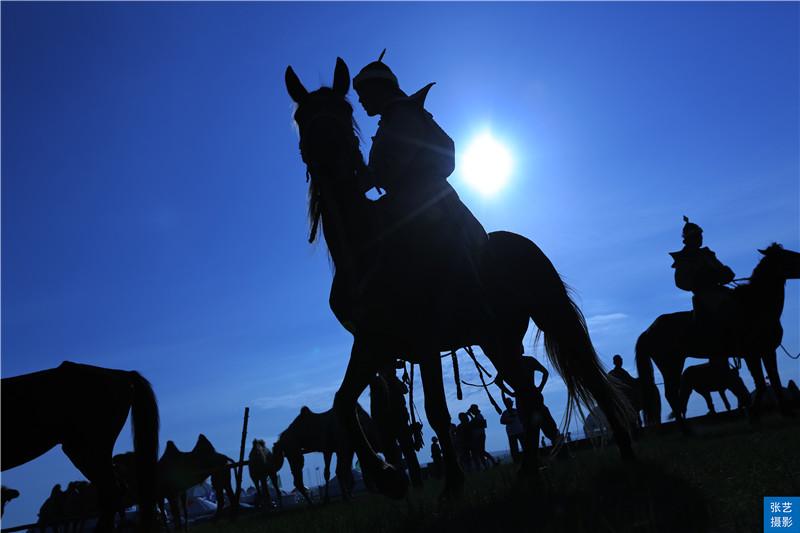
x: 541, y: 414
x: 433, y: 235
x: 514, y: 430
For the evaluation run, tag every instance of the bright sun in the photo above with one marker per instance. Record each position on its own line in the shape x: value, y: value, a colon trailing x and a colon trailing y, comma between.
x: 486, y: 164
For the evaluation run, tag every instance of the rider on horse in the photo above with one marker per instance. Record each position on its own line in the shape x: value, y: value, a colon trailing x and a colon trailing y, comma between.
x: 431, y: 231
x: 698, y: 270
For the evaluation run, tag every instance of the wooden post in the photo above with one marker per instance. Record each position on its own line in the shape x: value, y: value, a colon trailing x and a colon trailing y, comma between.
x: 241, y: 454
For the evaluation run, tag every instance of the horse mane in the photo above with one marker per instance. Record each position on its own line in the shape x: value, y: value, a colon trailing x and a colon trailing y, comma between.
x: 314, y: 203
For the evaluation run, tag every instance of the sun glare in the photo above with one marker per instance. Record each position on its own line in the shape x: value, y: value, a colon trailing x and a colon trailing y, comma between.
x: 486, y: 164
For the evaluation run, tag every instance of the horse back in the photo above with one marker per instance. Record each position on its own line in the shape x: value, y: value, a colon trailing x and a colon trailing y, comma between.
x: 69, y: 403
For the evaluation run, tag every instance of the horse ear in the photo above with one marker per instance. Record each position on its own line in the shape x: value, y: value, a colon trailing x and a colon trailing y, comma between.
x: 341, y: 77
x: 762, y: 252
x: 294, y: 86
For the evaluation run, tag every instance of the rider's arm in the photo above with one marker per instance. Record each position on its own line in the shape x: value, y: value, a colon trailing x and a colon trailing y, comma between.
x: 395, y: 148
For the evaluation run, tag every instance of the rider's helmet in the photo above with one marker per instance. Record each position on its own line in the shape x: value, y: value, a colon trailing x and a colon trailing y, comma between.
x: 690, y: 228
x: 692, y: 233
x: 375, y: 71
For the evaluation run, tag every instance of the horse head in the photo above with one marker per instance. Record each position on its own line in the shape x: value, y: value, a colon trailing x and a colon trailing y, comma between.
x: 329, y: 144
x: 324, y: 118
x: 778, y: 262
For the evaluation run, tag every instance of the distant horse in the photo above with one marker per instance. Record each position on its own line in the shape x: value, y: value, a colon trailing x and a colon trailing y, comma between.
x: 417, y: 318
x: 262, y: 464
x: 707, y: 378
x: 319, y: 432
x: 391, y: 418
x: 83, y: 408
x: 179, y: 471
x: 8, y: 494
x: 672, y: 338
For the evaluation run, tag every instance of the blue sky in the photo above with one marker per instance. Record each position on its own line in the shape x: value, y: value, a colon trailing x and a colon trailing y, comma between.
x: 153, y: 197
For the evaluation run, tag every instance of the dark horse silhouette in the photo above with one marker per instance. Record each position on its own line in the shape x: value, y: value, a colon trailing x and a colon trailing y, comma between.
x: 83, y: 408
x: 708, y: 378
x: 519, y: 283
x: 671, y: 338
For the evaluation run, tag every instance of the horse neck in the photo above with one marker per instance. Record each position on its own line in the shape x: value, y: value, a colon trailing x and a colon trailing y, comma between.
x: 769, y: 292
x: 345, y: 226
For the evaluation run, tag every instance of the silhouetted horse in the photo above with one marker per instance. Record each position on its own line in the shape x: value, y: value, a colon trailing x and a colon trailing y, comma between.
x: 262, y: 464
x: 8, y: 494
x: 412, y: 318
x: 708, y: 378
x: 672, y: 338
x: 319, y: 432
x: 179, y: 471
x: 83, y: 408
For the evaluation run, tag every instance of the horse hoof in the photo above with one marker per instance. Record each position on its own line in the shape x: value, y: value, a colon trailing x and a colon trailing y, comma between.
x: 391, y: 482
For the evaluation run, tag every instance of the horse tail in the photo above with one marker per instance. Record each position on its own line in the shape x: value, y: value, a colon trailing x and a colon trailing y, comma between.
x: 570, y: 350
x: 145, y: 444
x: 651, y: 402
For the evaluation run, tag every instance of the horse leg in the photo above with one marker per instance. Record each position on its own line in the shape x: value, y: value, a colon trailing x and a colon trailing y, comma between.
x: 439, y: 418
x: 671, y: 372
x: 360, y: 369
x: 175, y: 510
x: 297, y: 475
x: 326, y: 473
x: 724, y: 398
x: 274, y: 477
x: 233, y: 498
x: 407, y: 447
x: 185, y: 507
x: 709, y: 401
x: 93, y: 459
x: 771, y: 365
x: 754, y: 366
x: 344, y: 472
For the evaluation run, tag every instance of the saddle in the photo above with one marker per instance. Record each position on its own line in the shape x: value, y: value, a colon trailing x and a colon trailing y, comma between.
x: 717, y: 318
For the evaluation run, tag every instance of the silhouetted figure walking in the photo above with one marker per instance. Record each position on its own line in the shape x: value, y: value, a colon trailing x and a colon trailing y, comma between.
x: 514, y: 430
